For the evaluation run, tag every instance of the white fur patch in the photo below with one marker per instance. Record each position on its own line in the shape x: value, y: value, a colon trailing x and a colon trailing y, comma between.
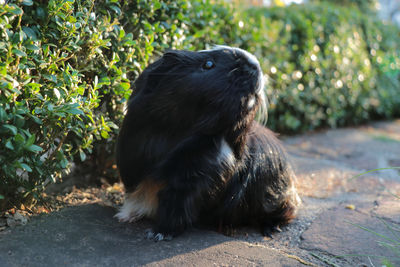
x: 226, y: 155
x: 251, y: 102
x: 263, y: 110
x: 250, y: 57
x: 295, y: 198
x: 143, y: 202
x: 133, y: 210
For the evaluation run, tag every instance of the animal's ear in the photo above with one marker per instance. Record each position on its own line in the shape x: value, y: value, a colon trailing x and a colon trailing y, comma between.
x: 145, y: 83
x: 152, y: 77
x: 156, y: 72
x: 174, y: 53
x: 171, y: 57
x: 183, y: 57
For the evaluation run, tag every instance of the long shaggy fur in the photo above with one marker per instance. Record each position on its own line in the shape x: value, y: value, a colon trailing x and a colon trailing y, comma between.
x: 190, y: 151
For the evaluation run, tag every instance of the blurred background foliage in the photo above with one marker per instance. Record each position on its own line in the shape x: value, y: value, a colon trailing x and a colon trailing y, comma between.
x: 328, y: 65
x: 67, y: 68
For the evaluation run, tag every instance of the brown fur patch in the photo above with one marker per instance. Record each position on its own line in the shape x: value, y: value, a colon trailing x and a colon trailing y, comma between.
x: 147, y: 192
x: 143, y: 202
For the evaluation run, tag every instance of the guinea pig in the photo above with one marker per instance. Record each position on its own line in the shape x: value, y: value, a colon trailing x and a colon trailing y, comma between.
x: 190, y: 151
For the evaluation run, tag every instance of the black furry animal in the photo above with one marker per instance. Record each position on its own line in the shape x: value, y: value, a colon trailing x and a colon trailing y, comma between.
x: 190, y: 151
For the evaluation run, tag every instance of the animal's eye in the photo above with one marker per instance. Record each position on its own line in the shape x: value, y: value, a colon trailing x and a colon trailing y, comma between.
x: 208, y: 65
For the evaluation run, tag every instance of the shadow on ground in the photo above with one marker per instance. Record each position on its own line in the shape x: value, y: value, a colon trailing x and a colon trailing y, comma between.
x: 89, y: 236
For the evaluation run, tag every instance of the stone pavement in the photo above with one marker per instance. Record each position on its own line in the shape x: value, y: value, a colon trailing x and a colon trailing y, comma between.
x: 328, y: 231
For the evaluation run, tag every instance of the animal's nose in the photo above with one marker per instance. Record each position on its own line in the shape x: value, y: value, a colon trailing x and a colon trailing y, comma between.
x: 250, y: 67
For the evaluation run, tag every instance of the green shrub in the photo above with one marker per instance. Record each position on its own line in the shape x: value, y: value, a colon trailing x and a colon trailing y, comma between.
x: 66, y: 69
x: 364, y: 5
x: 328, y: 65
x: 45, y: 106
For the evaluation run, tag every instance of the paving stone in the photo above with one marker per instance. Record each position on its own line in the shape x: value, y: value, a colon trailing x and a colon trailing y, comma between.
x: 90, y: 236
x: 336, y: 232
x: 324, y: 179
x: 324, y: 162
x: 233, y: 253
x: 363, y: 148
x: 389, y: 209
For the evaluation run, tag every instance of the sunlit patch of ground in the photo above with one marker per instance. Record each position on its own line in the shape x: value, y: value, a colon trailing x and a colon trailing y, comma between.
x: 108, y: 195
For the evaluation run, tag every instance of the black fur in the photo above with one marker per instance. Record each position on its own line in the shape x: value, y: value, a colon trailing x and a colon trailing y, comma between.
x: 179, y: 116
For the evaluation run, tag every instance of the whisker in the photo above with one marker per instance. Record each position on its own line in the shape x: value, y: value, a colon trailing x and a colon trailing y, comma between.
x: 235, y: 69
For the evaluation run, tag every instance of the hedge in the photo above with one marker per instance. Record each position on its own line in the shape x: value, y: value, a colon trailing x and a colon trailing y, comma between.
x: 66, y: 69
x: 327, y: 65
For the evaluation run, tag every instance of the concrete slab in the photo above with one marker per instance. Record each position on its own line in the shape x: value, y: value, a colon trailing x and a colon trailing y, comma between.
x: 325, y: 162
x: 339, y: 232
x: 90, y: 236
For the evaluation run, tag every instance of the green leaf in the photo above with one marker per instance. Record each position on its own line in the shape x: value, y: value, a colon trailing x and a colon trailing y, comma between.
x: 19, y: 52
x: 130, y: 43
x: 50, y: 107
x: 37, y: 120
x: 82, y: 155
x: 1, y: 197
x: 30, y: 140
x: 21, y: 111
x: 12, y: 128
x: 116, y: 9
x: 34, y: 148
x: 9, y: 145
x: 75, y: 111
x: 104, y: 81
x: 80, y: 90
x: 25, y: 167
x: 121, y: 33
x: 3, y: 115
x: 40, y: 13
x: 2, y: 45
x: 125, y: 85
x: 19, y: 139
x: 50, y: 77
x: 16, y: 11
x: 32, y: 47
x: 104, y: 134
x: 57, y: 93
x: 64, y: 162
x: 60, y: 114
x: 27, y: 2
x: 156, y: 5
x: 30, y: 33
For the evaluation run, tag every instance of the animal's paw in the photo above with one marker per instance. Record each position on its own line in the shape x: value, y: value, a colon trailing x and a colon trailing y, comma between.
x: 269, y: 230
x: 227, y: 230
x: 151, y: 235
